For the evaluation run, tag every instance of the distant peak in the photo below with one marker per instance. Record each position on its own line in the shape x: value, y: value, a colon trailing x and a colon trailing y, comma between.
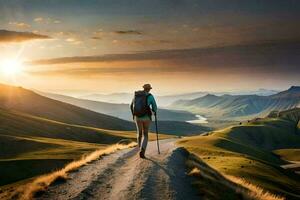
x: 209, y: 96
x: 294, y: 89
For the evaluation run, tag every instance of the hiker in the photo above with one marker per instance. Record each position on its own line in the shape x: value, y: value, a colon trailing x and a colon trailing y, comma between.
x: 142, y: 106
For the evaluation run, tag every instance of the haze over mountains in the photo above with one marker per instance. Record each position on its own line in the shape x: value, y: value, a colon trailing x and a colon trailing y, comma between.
x: 169, y: 99
x: 120, y: 110
x: 29, y: 102
x: 237, y: 106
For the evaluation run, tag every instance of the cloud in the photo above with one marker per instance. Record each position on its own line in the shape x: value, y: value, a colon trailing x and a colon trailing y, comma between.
x: 96, y: 38
x: 92, y: 71
x: 129, y: 32
x: 265, y: 65
x: 70, y: 39
x: 38, y: 19
x: 149, y: 42
x: 14, y: 36
x: 56, y: 21
x: 19, y: 24
x: 281, y: 57
x: 42, y: 20
x: 74, y: 41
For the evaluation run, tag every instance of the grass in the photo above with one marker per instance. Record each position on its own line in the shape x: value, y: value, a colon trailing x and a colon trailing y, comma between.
x: 246, y: 152
x: 43, y: 148
x: 26, y: 101
x: 216, y: 186
x: 219, y: 124
x: 31, y: 145
x: 31, y: 103
x: 253, y: 190
x: 40, y: 184
x: 289, y: 154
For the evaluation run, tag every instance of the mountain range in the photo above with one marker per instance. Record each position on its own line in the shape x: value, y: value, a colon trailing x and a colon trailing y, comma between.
x: 240, y: 106
x: 120, y: 110
x: 29, y: 102
x: 166, y: 100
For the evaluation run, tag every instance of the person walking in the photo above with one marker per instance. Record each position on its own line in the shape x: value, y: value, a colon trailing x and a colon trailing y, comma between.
x: 142, y: 107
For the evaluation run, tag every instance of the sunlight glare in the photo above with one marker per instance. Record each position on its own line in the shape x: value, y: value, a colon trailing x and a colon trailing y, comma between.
x: 11, y: 67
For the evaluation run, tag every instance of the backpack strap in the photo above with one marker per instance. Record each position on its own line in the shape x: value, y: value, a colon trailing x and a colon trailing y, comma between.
x: 149, y: 112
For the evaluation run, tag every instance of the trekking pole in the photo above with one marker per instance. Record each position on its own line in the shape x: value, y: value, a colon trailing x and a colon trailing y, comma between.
x: 157, y: 134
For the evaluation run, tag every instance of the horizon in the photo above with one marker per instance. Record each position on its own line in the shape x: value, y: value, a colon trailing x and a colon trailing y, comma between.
x: 79, y: 95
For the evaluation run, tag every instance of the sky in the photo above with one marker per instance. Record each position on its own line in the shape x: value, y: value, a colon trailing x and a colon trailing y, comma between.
x: 79, y: 47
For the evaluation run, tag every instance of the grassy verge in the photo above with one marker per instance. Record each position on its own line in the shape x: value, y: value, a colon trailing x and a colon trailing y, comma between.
x: 245, y: 153
x: 26, y: 191
x: 31, y: 145
x: 214, y: 185
x: 289, y: 154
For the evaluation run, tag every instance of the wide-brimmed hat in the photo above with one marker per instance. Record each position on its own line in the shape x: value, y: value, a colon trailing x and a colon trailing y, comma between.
x: 147, y: 86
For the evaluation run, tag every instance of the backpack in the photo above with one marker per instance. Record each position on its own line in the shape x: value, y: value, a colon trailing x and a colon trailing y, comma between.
x: 140, y: 104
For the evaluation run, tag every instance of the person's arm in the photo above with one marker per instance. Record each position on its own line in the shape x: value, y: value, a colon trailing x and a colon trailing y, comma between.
x: 153, y: 104
x: 131, y: 108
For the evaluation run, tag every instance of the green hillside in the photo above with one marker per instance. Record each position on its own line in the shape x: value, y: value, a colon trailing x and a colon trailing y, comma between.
x: 31, y: 145
x: 240, y: 106
x: 20, y: 124
x: 26, y: 101
x: 289, y: 154
x: 247, y: 151
x: 170, y: 121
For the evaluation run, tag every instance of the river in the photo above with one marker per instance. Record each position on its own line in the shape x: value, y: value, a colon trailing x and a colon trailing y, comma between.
x: 200, y: 120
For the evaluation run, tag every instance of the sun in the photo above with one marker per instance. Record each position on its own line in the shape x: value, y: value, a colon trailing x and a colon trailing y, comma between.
x: 11, y: 67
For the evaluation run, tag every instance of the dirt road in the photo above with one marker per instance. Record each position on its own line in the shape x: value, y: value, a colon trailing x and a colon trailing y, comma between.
x: 123, y: 175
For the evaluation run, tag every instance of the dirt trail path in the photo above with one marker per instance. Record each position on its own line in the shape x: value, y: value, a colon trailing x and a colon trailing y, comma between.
x: 293, y: 165
x: 123, y: 175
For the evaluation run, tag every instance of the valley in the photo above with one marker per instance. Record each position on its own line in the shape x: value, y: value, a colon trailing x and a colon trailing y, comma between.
x: 240, y: 107
x: 246, y: 151
x: 39, y: 134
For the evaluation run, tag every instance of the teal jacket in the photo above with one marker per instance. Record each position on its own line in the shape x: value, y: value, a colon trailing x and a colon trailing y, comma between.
x: 150, y: 102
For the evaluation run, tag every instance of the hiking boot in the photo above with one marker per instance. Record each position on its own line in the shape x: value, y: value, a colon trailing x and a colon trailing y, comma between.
x: 142, y: 154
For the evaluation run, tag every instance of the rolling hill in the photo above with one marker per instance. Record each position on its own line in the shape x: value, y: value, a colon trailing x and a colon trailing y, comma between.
x: 31, y: 145
x: 118, y: 110
x: 39, y: 134
x: 27, y: 101
x: 240, y: 106
x: 247, y: 151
